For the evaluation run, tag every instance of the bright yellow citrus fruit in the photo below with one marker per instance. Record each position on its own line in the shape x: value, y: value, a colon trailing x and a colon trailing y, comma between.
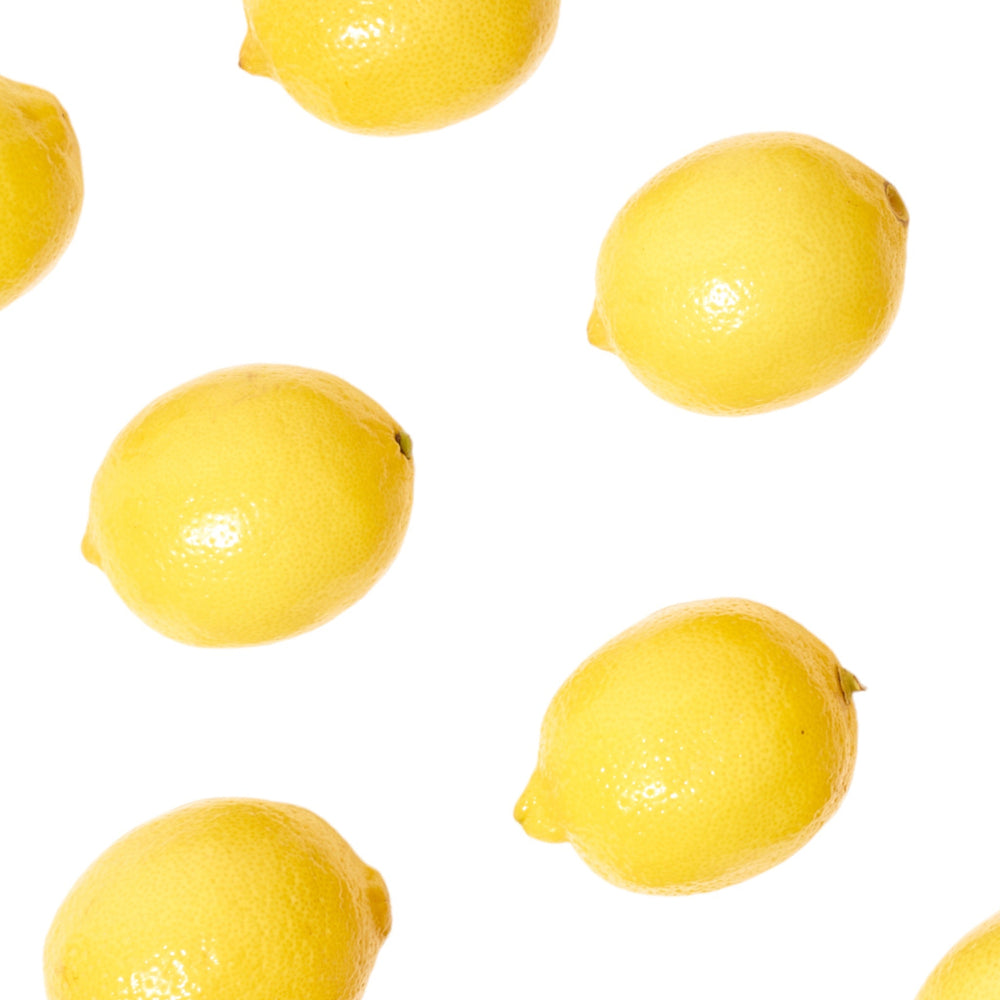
x: 698, y: 748
x: 251, y: 504
x: 389, y: 67
x: 971, y: 970
x: 752, y: 274
x: 41, y: 186
x: 221, y: 899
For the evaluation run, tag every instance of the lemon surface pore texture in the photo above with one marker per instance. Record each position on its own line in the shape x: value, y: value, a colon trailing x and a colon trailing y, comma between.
x: 752, y: 274
x: 971, y: 970
x: 251, y: 504
x: 396, y: 66
x: 219, y: 899
x: 698, y: 748
x: 41, y: 186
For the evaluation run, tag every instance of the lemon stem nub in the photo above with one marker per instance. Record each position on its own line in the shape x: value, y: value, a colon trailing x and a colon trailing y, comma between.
x: 849, y: 684
x: 597, y: 332
x: 89, y: 551
x: 532, y: 813
x: 405, y: 443
x: 378, y: 902
x: 253, y: 59
x: 897, y: 204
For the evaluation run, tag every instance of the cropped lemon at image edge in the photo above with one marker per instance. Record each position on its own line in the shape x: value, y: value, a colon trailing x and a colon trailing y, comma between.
x: 752, y: 274
x: 41, y: 186
x: 971, y: 968
x: 251, y: 504
x: 396, y: 67
x: 221, y: 898
x: 699, y: 748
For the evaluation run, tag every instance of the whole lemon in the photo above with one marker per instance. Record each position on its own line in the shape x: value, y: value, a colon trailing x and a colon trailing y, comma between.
x: 41, y: 186
x: 698, y: 748
x: 251, y: 504
x: 752, y: 274
x: 389, y: 67
x: 971, y: 970
x: 221, y: 899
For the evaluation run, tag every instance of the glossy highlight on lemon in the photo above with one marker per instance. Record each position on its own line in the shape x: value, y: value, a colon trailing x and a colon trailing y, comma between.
x: 251, y: 504
x: 971, y: 970
x: 390, y: 67
x: 700, y: 747
x: 752, y: 274
x: 41, y: 186
x: 220, y: 899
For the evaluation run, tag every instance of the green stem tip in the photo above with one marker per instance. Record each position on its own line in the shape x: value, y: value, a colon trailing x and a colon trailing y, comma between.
x: 849, y: 684
x: 405, y: 443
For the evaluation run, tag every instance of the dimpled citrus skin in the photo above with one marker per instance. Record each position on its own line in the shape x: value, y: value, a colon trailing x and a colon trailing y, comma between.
x: 752, y: 274
x: 250, y: 504
x: 221, y: 899
x: 971, y: 970
x: 41, y: 186
x: 390, y: 67
x: 698, y: 748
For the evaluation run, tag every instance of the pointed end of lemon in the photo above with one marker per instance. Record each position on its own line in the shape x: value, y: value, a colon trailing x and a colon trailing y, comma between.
x: 849, y: 684
x: 89, y: 550
x: 532, y: 812
x: 597, y: 332
x: 405, y: 443
x: 252, y: 57
x: 378, y: 902
x: 896, y: 203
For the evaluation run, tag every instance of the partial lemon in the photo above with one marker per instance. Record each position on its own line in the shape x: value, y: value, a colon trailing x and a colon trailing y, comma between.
x: 752, y: 274
x: 389, y: 67
x: 41, y: 186
x: 221, y: 899
x: 971, y: 970
x: 251, y: 504
x: 700, y: 747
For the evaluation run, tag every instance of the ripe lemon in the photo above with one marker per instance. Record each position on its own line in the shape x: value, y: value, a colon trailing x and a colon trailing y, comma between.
x: 971, y: 970
x: 41, y: 186
x: 698, y: 748
x: 390, y: 67
x: 250, y: 504
x: 752, y: 274
x: 221, y: 899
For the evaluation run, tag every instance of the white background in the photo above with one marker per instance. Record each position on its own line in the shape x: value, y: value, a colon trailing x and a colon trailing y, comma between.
x: 450, y: 276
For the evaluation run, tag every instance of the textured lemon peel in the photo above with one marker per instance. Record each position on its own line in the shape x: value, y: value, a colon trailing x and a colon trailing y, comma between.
x: 656, y: 799
x: 182, y: 886
x: 702, y: 296
x: 395, y: 67
x: 238, y: 509
x: 41, y: 186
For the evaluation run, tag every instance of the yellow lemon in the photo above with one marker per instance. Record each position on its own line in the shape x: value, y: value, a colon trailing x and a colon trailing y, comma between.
x: 250, y: 504
x: 698, y: 748
x: 221, y: 899
x: 752, y: 274
x: 390, y: 67
x: 971, y: 970
x: 41, y: 186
